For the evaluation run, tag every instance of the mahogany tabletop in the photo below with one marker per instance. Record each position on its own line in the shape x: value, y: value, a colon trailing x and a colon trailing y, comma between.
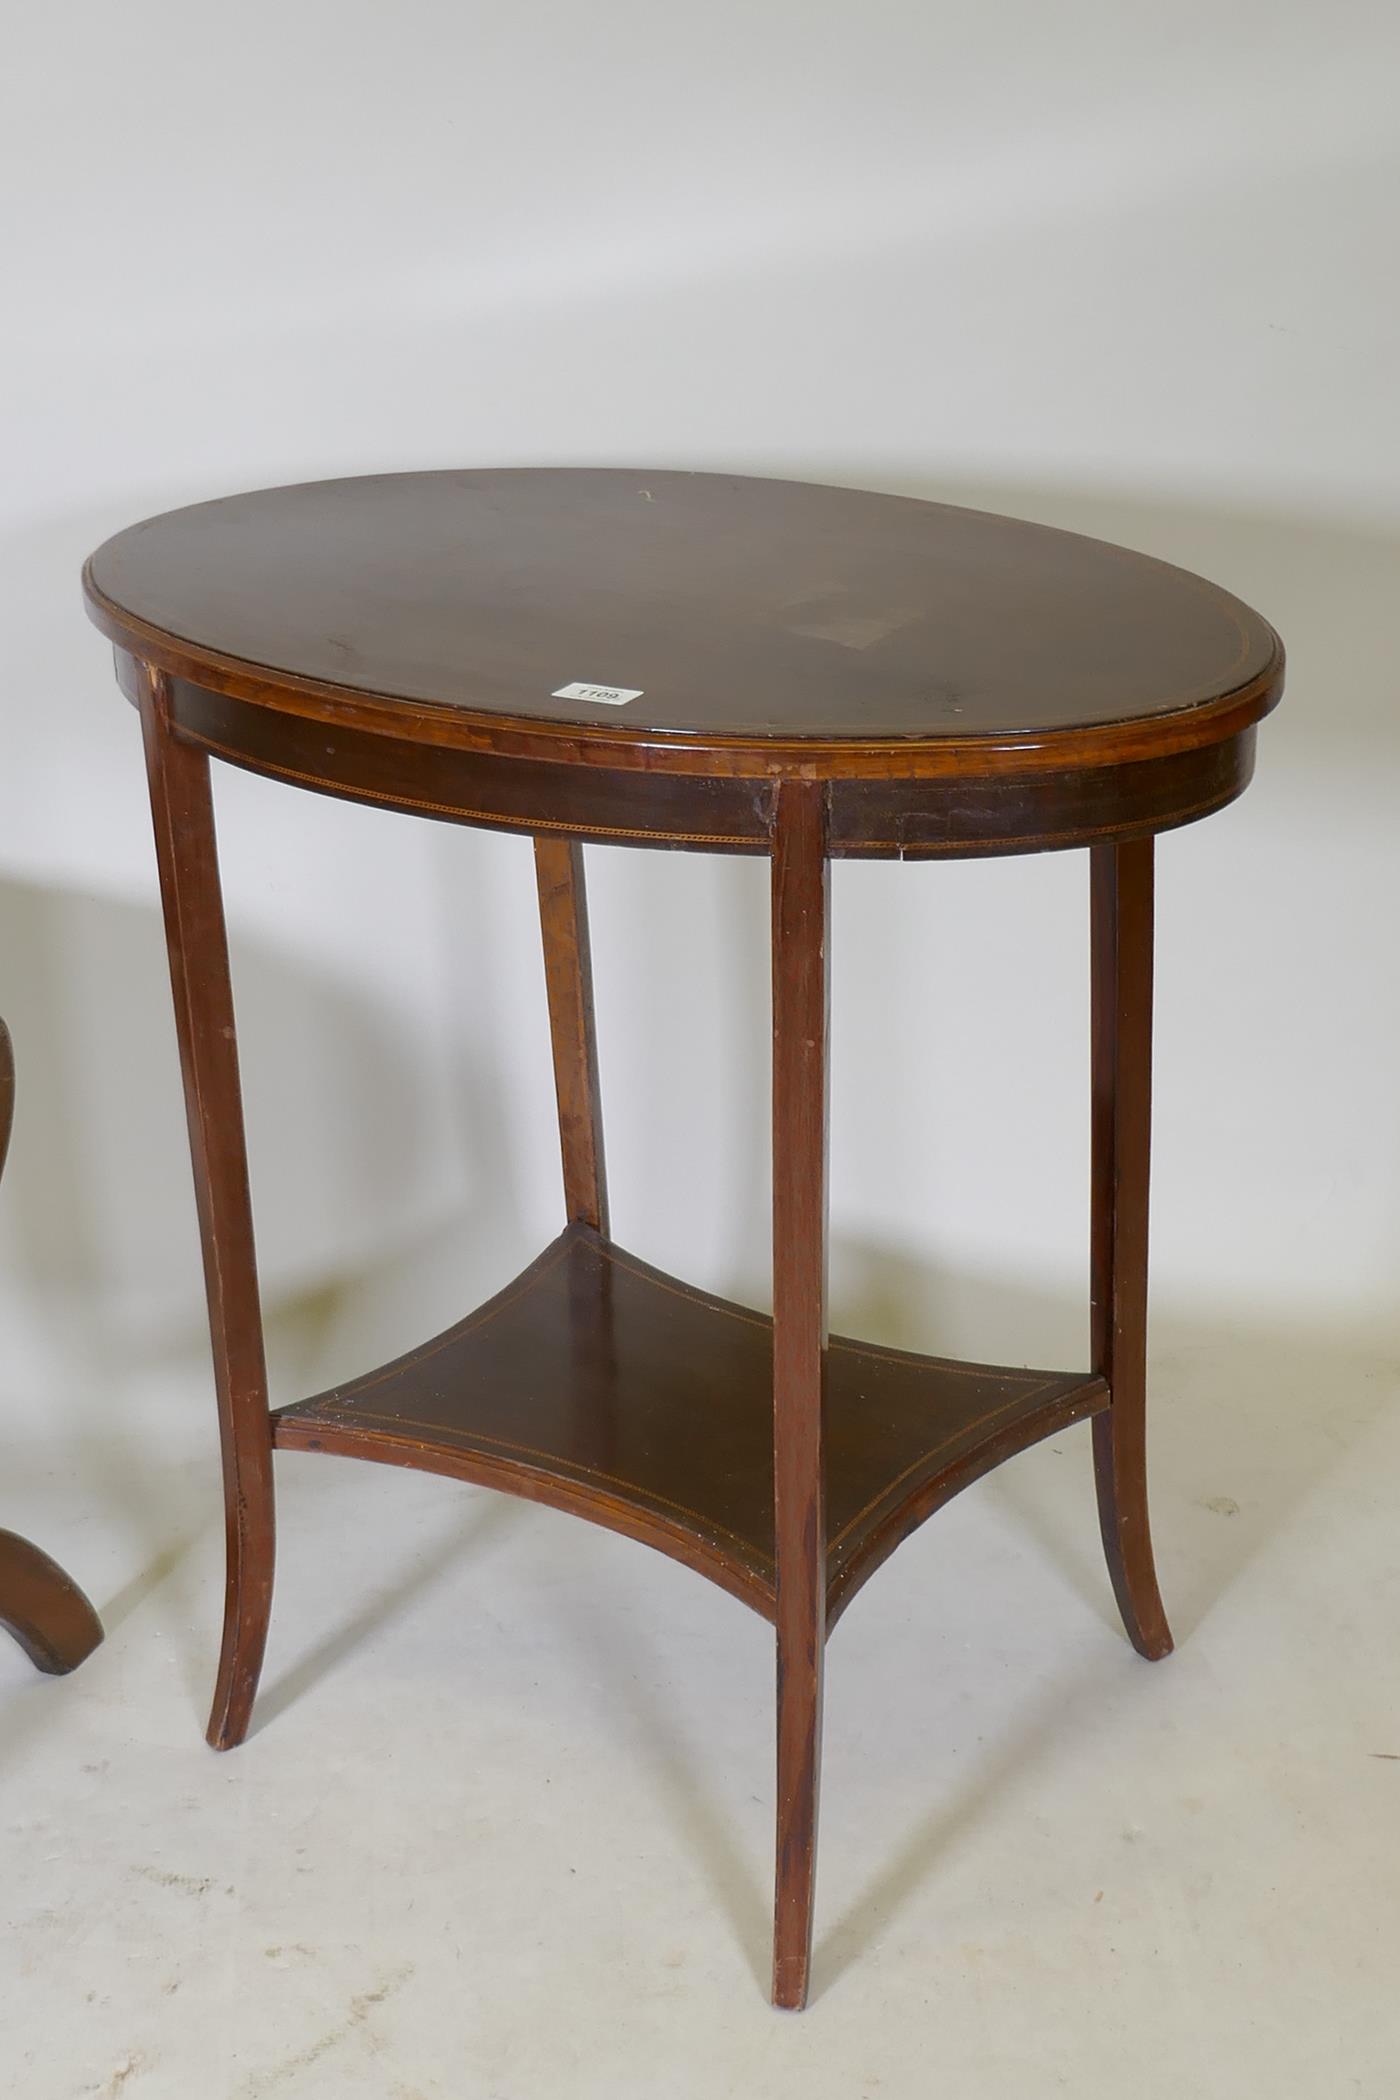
x: 726, y: 608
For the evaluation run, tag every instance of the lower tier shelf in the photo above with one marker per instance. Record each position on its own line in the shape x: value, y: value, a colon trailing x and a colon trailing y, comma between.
x: 599, y: 1385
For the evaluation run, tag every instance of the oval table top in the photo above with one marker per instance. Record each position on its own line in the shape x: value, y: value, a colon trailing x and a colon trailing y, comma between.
x: 725, y: 608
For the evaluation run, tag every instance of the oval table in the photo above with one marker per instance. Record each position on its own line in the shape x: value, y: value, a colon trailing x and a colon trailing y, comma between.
x: 729, y: 665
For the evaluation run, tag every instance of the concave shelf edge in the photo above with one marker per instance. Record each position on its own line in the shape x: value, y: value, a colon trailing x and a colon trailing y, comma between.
x: 598, y: 1385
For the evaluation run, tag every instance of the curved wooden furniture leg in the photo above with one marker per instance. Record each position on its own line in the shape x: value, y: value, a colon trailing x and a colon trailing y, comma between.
x: 44, y: 1608
x: 183, y: 814
x: 568, y: 973
x: 800, y: 1030
x: 1121, y: 974
x: 41, y: 1606
x: 7, y: 1093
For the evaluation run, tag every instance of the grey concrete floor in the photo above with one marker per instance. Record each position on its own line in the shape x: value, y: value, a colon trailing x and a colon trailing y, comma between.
x: 502, y: 1830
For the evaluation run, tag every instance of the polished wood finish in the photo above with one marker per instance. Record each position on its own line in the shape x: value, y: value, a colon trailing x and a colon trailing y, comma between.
x: 1121, y: 881
x: 950, y: 814
x: 598, y: 1384
x: 745, y: 610
x: 403, y: 639
x: 7, y: 1093
x: 801, y: 1033
x: 568, y: 968
x: 44, y: 1609
x: 182, y: 812
x: 40, y: 1605
x: 816, y: 674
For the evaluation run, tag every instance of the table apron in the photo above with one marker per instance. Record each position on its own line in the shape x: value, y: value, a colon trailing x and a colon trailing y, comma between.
x: 951, y: 817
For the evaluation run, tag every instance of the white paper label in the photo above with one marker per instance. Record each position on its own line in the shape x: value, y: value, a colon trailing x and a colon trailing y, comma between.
x: 610, y: 695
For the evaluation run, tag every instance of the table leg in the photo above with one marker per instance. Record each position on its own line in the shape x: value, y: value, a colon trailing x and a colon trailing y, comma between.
x: 1121, y: 994
x: 41, y: 1606
x: 182, y: 811
x: 568, y: 973
x: 800, y: 1030
x: 44, y: 1608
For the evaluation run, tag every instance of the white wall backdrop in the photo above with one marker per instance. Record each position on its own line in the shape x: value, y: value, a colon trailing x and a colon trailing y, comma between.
x: 1121, y: 268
